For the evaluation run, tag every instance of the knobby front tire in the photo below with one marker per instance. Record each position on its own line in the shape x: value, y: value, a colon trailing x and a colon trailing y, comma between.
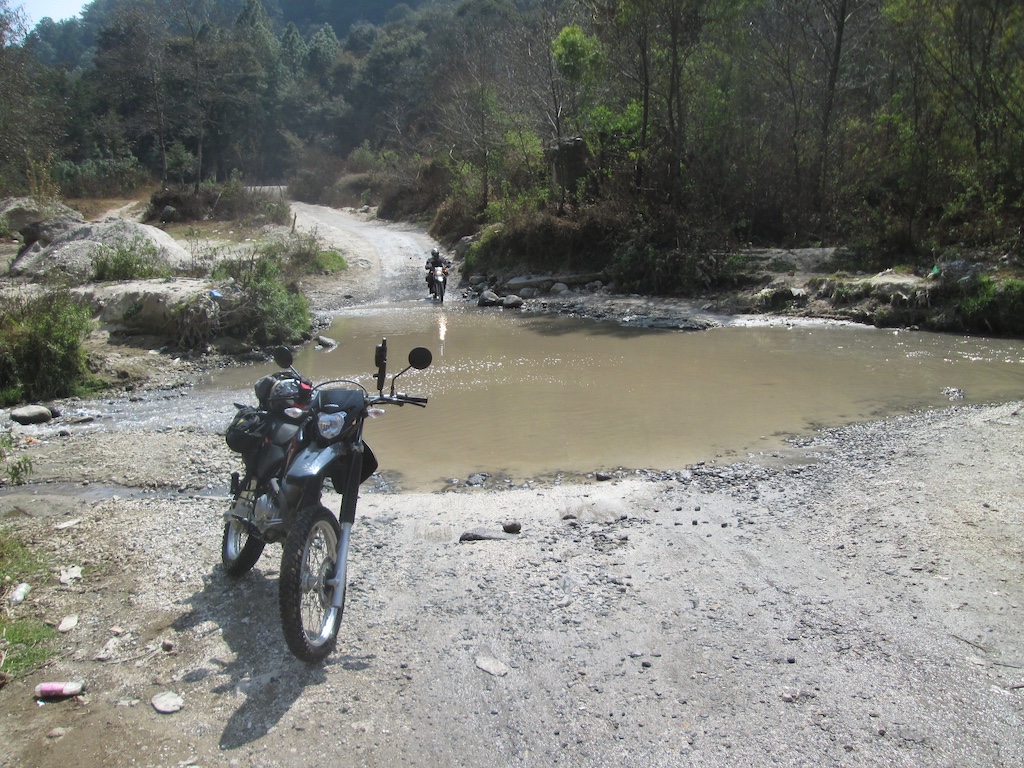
x: 239, y: 549
x: 309, y: 622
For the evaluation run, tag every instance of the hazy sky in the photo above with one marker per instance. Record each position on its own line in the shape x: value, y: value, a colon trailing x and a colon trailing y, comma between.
x: 37, y: 10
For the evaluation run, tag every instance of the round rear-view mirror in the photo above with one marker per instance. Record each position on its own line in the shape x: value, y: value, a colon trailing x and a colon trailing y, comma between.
x: 283, y: 357
x: 420, y: 358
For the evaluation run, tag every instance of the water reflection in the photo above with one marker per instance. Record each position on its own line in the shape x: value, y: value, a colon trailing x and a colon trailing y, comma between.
x: 525, y: 395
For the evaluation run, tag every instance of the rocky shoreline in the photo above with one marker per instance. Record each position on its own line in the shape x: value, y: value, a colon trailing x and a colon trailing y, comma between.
x: 855, y: 602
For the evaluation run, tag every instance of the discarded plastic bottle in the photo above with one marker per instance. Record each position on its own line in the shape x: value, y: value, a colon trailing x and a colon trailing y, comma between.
x: 59, y: 690
x: 20, y: 593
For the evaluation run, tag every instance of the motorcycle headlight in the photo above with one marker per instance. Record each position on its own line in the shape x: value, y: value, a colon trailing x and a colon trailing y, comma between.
x: 330, y: 425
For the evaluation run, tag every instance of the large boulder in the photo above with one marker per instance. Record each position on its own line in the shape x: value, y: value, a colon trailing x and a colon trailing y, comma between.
x: 21, y: 212
x: 143, y: 306
x: 73, y: 251
x: 31, y: 414
x: 489, y: 299
x: 45, y: 232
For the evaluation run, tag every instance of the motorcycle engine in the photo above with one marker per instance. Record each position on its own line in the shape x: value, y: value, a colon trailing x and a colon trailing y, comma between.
x: 266, y: 510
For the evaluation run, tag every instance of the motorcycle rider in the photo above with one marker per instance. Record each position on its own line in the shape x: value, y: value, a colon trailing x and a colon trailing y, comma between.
x: 435, y: 260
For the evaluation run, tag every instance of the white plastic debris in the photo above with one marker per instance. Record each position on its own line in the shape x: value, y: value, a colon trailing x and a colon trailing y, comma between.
x: 20, y: 593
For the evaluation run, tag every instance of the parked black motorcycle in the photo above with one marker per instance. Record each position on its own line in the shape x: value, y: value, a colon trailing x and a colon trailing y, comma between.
x: 300, y: 436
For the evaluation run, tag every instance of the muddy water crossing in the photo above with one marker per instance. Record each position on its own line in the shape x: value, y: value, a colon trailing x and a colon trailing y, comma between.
x: 520, y: 395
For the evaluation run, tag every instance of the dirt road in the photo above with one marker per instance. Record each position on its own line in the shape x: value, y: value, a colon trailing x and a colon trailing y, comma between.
x: 858, y: 606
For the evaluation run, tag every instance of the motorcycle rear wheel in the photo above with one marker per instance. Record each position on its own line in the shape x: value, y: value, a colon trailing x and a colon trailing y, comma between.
x: 239, y: 548
x: 309, y: 621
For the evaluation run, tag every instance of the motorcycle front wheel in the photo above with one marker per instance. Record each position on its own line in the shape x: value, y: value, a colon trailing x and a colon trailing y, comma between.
x: 309, y: 621
x: 239, y: 548
x: 440, y: 292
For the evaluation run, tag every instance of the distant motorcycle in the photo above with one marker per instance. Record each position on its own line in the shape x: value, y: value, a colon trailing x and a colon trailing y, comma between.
x: 300, y: 436
x: 438, y: 281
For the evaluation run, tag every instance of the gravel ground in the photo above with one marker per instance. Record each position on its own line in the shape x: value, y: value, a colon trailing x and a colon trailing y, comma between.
x: 854, y: 602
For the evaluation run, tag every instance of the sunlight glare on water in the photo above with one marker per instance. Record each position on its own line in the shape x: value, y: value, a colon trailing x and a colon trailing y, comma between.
x: 523, y: 395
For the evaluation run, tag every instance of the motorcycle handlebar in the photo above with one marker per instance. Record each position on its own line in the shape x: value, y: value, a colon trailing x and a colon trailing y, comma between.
x: 400, y: 399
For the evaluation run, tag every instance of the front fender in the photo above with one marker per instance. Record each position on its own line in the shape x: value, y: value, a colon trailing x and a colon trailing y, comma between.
x: 317, y: 462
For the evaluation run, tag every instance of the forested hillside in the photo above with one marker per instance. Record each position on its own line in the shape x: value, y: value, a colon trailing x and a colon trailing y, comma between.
x: 643, y: 136
x: 70, y: 43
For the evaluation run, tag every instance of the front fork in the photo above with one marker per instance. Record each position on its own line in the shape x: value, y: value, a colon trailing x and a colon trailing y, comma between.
x: 338, y: 578
x: 346, y: 516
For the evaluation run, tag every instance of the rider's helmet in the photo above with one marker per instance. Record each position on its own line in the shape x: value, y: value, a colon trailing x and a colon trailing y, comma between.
x: 434, y: 252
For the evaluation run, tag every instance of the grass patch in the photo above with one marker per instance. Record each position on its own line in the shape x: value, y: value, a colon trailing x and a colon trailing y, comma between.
x: 25, y: 643
x: 331, y: 262
x: 303, y: 254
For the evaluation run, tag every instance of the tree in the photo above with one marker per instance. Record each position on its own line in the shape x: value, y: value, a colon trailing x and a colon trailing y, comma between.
x: 253, y: 121
x: 972, y: 57
x: 579, y: 59
x: 293, y: 50
x: 130, y: 72
x: 30, y: 118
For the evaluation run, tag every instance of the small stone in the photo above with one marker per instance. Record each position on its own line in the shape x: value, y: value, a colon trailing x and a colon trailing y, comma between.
x: 68, y: 623
x: 167, y: 703
x: 56, y: 733
x: 482, y: 534
x: 108, y: 651
x: 492, y: 666
x: 512, y: 526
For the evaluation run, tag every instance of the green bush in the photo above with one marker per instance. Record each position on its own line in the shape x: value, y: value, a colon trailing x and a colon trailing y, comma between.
x: 259, y: 305
x: 979, y: 307
x: 1011, y: 307
x: 235, y: 201
x: 104, y: 177
x: 14, y: 470
x: 41, y: 354
x: 232, y: 201
x: 137, y: 259
x: 992, y: 307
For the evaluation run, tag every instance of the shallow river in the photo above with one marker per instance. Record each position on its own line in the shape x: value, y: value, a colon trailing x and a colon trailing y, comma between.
x: 522, y: 395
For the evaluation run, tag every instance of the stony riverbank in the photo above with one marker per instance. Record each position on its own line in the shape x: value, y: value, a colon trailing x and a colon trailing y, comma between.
x: 853, y: 602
